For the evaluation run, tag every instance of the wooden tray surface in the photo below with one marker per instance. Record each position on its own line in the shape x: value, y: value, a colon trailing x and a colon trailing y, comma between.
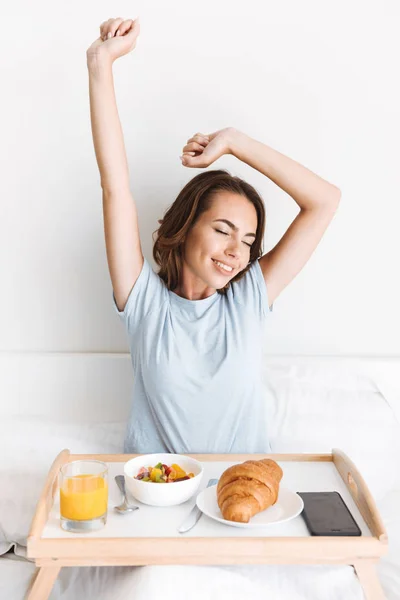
x: 150, y: 536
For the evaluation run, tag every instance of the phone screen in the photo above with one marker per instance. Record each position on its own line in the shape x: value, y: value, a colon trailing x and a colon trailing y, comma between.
x: 326, y: 513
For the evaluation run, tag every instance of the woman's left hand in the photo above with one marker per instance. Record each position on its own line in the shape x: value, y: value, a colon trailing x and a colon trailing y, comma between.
x: 202, y: 150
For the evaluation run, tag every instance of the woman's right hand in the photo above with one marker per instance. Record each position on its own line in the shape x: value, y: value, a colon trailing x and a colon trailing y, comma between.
x: 117, y: 38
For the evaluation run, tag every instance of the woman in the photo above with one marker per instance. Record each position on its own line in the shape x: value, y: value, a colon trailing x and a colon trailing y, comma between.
x: 196, y: 328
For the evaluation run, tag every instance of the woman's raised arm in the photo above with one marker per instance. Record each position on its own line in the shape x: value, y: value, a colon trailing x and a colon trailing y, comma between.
x: 124, y: 253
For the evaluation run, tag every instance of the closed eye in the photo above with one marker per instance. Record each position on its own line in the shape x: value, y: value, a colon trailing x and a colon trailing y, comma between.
x: 224, y: 233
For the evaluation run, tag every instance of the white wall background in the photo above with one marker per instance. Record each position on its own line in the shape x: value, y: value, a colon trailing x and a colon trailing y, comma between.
x: 316, y: 81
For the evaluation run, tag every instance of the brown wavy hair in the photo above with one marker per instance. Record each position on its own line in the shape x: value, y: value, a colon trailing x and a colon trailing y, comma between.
x: 193, y: 200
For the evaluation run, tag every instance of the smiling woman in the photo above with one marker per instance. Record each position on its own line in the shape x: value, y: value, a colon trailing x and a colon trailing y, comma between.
x: 196, y: 328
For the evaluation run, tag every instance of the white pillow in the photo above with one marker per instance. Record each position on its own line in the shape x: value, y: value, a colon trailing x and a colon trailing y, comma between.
x: 316, y: 406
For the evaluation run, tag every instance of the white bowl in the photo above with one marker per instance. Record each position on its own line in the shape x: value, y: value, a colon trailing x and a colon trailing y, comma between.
x: 162, y: 494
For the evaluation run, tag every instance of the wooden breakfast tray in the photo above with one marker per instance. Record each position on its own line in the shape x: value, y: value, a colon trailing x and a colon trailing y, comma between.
x: 153, y: 538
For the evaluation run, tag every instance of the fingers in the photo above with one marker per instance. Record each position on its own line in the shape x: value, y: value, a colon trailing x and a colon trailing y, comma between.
x: 200, y: 138
x: 108, y: 28
x: 194, y: 147
x: 192, y: 161
x: 116, y: 27
x: 124, y: 27
x: 196, y: 144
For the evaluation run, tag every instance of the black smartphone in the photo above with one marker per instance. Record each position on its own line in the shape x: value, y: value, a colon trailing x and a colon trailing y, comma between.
x: 326, y: 513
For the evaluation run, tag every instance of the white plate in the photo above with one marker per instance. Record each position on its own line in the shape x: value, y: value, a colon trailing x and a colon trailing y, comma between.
x: 288, y: 506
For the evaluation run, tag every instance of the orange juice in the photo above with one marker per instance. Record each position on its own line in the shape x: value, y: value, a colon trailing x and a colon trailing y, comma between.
x: 83, y: 497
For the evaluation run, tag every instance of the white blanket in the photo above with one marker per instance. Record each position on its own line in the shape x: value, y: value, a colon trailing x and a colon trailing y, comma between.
x: 194, y: 583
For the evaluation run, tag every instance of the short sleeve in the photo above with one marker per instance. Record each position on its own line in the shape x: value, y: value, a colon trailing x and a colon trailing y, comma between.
x: 148, y: 294
x: 251, y: 291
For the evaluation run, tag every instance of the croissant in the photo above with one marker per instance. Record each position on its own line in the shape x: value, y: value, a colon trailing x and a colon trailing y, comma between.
x: 248, y: 488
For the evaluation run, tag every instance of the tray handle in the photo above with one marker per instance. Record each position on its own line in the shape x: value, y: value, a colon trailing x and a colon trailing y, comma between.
x: 46, y: 499
x: 360, y: 493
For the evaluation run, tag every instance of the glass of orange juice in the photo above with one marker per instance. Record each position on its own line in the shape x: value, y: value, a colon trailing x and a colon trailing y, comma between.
x: 83, y: 495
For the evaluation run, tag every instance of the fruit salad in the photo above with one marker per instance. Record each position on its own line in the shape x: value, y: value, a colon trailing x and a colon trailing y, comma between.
x: 163, y: 474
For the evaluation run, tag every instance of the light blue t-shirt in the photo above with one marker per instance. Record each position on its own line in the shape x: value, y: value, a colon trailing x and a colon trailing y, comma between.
x: 197, y: 367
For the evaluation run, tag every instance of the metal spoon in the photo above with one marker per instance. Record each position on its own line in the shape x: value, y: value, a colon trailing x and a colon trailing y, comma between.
x: 125, y: 506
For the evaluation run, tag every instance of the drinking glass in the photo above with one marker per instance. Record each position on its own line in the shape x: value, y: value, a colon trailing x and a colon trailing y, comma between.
x: 83, y: 495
